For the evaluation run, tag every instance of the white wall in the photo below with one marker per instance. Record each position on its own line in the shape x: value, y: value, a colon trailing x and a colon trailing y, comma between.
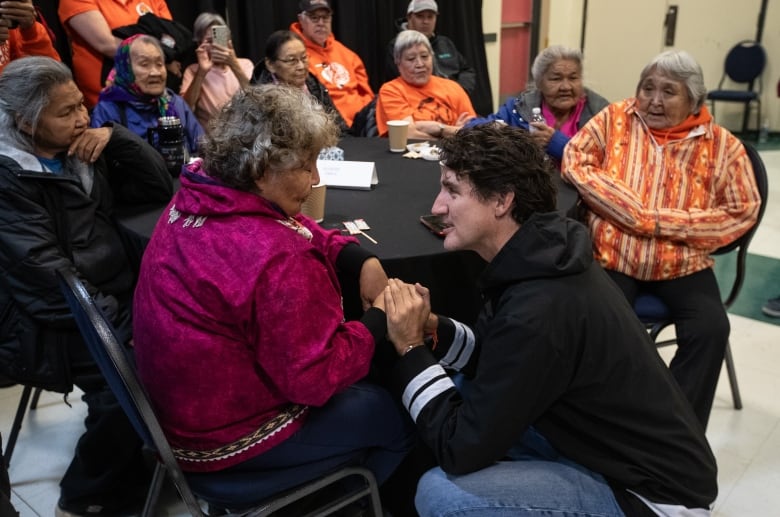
x: 563, y: 25
x: 491, y: 23
x: 622, y: 35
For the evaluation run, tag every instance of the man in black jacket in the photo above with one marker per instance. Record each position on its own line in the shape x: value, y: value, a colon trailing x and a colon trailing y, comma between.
x: 447, y: 61
x: 565, y: 405
x: 58, y: 182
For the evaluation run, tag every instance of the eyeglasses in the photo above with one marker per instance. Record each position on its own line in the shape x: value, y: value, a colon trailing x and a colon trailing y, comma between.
x: 321, y: 18
x: 292, y: 60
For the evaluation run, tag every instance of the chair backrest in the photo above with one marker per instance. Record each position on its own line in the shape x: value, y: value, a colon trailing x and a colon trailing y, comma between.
x: 652, y: 311
x: 119, y: 371
x: 741, y: 244
x: 745, y: 62
x: 364, y: 123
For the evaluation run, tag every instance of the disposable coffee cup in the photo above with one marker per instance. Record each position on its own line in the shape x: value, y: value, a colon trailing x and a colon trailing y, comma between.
x: 397, y: 131
x: 314, y: 206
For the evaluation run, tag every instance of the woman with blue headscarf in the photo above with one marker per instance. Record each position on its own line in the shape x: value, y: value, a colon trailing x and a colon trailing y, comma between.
x: 137, y: 98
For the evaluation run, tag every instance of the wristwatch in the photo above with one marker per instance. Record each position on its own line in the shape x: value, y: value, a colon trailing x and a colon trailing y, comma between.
x: 441, y: 130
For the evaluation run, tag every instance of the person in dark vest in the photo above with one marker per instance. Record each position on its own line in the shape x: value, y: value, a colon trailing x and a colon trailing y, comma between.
x: 448, y: 62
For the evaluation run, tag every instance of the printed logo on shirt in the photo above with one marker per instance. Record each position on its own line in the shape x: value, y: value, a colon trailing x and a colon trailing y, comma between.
x: 335, y: 73
x: 431, y: 109
x: 143, y: 8
x: 446, y: 55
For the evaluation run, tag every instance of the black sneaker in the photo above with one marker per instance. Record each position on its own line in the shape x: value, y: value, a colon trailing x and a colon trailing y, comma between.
x: 772, y: 307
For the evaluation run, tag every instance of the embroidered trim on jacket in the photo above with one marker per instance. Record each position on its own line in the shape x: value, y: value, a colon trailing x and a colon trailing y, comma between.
x: 268, y: 429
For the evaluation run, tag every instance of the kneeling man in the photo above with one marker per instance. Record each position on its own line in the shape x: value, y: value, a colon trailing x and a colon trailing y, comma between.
x: 565, y: 404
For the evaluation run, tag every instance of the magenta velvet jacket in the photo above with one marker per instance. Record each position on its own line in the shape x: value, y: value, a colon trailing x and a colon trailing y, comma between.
x: 238, y: 324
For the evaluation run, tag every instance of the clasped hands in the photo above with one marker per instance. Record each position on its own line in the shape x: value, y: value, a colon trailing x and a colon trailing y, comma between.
x: 407, y: 306
x: 433, y: 128
x: 408, y: 310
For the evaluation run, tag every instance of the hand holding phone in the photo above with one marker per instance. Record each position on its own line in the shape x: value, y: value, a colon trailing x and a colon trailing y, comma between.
x: 220, y: 35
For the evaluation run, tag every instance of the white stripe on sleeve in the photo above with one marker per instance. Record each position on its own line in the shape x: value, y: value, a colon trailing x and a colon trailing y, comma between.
x: 462, y: 348
x: 425, y: 386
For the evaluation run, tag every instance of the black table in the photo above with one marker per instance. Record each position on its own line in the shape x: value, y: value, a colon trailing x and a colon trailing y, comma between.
x: 407, y: 250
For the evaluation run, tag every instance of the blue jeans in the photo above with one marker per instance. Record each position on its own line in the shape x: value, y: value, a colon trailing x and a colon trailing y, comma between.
x: 535, y: 480
x: 361, y: 426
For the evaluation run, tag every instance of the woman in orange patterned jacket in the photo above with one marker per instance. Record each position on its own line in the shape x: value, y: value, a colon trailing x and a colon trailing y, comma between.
x: 664, y: 187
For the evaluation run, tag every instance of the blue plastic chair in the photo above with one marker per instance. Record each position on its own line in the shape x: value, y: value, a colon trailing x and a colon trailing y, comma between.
x: 655, y: 314
x: 744, y: 64
x: 119, y: 371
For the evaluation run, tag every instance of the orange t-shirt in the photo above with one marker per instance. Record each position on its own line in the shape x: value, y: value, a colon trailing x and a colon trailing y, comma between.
x: 87, y: 62
x: 442, y: 100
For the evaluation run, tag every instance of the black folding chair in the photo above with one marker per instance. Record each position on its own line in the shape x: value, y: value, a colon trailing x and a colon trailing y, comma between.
x: 744, y: 65
x: 119, y: 371
x: 654, y: 313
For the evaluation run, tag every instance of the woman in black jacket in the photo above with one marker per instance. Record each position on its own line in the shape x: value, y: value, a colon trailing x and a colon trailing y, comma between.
x: 58, y: 183
x: 286, y: 63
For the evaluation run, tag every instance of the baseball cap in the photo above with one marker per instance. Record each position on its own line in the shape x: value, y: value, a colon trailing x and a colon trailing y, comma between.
x: 415, y: 6
x: 313, y: 5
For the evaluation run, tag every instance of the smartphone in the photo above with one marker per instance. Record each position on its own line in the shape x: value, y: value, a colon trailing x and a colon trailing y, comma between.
x: 435, y: 223
x: 220, y: 35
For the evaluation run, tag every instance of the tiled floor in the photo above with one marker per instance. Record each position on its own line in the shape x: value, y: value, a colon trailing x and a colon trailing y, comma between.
x: 746, y: 442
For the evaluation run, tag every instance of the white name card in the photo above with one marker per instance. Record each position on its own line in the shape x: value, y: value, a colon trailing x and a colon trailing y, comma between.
x: 346, y: 174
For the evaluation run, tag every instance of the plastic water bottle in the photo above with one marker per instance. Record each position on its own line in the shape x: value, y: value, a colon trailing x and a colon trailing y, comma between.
x: 536, y: 116
x: 763, y: 133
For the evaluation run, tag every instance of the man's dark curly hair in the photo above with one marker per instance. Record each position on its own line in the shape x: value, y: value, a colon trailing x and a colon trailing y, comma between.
x: 498, y: 159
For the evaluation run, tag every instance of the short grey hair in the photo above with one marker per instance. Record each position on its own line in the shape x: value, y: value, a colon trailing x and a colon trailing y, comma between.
x: 266, y: 128
x: 679, y: 65
x: 551, y: 55
x: 408, y: 39
x: 202, y: 24
x: 25, y: 88
x: 146, y: 38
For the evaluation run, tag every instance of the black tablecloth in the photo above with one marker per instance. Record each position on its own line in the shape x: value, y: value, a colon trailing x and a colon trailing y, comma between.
x: 407, y: 250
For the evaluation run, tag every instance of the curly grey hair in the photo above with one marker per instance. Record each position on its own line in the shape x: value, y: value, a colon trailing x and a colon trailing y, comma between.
x: 25, y: 86
x: 408, y: 39
x: 551, y: 55
x: 266, y: 128
x: 679, y: 65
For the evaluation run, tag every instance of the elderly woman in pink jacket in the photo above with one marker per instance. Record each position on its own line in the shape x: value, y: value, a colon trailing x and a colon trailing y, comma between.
x: 239, y: 329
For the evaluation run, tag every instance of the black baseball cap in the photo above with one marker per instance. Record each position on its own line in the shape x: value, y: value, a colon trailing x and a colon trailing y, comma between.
x: 313, y: 5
